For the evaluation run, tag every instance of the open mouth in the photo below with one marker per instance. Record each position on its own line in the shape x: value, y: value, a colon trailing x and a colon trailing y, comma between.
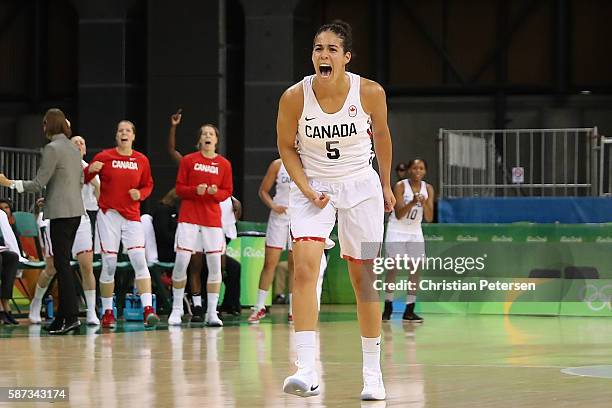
x: 207, y: 142
x: 124, y: 139
x: 325, y: 70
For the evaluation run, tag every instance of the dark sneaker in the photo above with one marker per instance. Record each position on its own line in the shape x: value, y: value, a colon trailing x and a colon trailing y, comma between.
x: 198, y: 314
x: 388, y: 310
x: 279, y: 300
x: 410, y: 316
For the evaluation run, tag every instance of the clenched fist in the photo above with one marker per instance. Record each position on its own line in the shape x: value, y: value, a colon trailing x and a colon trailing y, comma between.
x: 135, y: 194
x: 201, y: 189
x: 95, y: 167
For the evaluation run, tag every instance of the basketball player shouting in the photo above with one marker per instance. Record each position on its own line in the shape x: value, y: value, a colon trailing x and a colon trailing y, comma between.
x: 125, y: 180
x: 336, y: 116
x: 204, y: 180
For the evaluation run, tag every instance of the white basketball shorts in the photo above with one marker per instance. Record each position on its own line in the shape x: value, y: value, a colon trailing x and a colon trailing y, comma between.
x: 357, y: 202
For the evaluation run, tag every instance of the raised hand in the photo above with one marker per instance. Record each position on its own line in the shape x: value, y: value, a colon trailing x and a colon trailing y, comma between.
x: 175, y: 119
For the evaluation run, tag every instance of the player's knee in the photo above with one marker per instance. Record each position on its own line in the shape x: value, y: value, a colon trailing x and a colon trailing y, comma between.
x: 213, y: 262
x: 305, y: 274
x: 50, y: 270
x: 109, y: 264
x: 182, y: 260
x: 139, y: 263
x: 214, y: 276
x: 179, y: 272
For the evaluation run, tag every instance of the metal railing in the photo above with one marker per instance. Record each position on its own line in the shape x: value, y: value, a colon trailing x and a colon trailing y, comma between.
x: 605, y: 166
x: 19, y: 164
x: 519, y: 162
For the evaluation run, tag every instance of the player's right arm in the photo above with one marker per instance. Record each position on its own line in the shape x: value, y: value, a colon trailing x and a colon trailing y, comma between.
x: 289, y: 111
x: 183, y: 189
x: 266, y: 186
x: 94, y: 167
x: 401, y: 209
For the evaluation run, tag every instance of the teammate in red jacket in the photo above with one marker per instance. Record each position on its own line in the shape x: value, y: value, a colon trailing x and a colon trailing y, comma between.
x: 125, y: 181
x: 204, y: 180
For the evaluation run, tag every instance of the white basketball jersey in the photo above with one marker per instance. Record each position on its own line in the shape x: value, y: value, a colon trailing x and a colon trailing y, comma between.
x: 283, y: 182
x: 228, y: 219
x: 334, y: 146
x: 88, y: 193
x: 411, y: 222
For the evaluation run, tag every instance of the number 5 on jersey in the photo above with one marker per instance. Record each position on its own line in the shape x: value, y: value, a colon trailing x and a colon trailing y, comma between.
x: 332, y: 152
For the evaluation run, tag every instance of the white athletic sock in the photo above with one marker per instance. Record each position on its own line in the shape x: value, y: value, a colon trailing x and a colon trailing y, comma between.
x: 90, y: 298
x: 389, y: 296
x: 410, y: 299
x: 261, y: 298
x: 370, y: 347
x: 39, y: 293
x: 107, y: 303
x: 305, y: 347
x: 211, y: 301
x: 197, y: 300
x: 177, y: 298
x: 146, y: 299
x: 291, y: 303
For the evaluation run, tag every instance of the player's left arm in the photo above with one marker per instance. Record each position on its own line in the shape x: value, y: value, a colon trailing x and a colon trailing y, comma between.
x: 146, y: 180
x: 226, y: 188
x: 428, y: 204
x: 374, y: 101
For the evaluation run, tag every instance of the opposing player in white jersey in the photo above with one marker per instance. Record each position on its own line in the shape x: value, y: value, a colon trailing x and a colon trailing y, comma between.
x: 336, y: 116
x: 414, y: 202
x: 278, y: 237
x: 82, y: 250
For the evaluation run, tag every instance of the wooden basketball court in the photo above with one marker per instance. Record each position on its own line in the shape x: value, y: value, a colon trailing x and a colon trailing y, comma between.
x: 450, y: 360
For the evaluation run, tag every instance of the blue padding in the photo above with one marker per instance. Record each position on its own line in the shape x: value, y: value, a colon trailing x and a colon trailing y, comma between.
x: 565, y: 210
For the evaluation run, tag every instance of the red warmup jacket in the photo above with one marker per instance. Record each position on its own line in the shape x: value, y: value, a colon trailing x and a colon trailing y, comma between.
x: 196, y: 169
x: 118, y: 176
